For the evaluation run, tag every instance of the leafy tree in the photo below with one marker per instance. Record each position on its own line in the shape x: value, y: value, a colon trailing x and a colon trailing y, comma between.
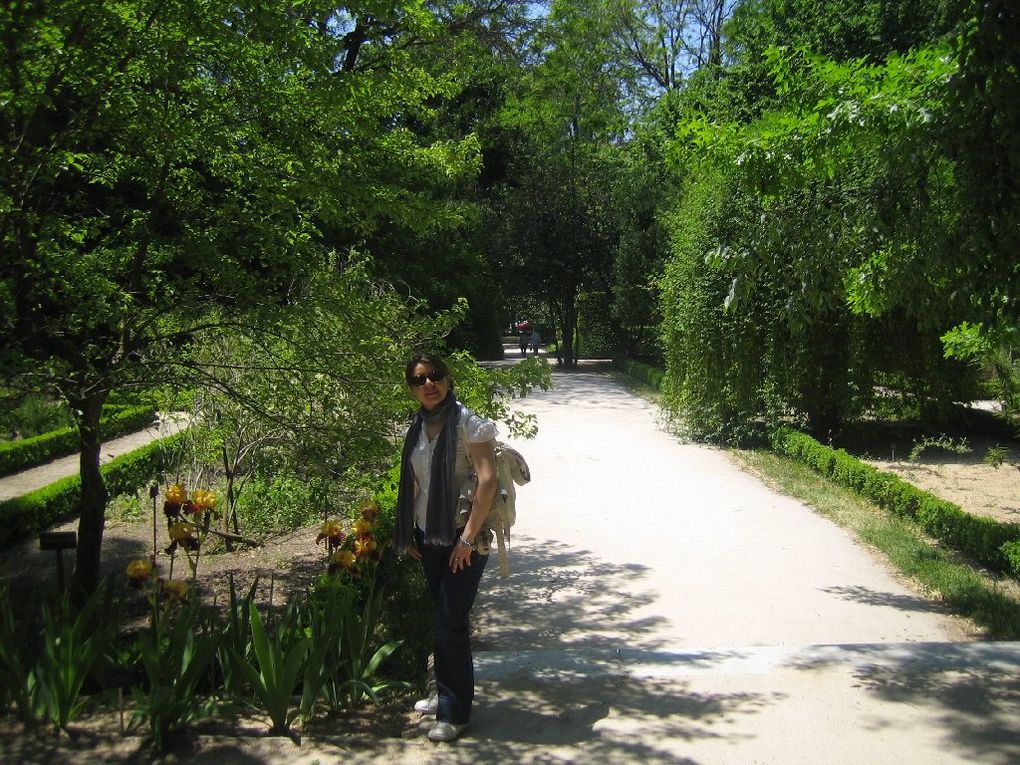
x: 444, y: 257
x: 858, y: 222
x: 666, y: 42
x: 714, y: 357
x: 163, y: 158
x: 982, y: 137
x: 871, y: 29
x: 557, y: 204
x: 314, y: 394
x: 868, y: 30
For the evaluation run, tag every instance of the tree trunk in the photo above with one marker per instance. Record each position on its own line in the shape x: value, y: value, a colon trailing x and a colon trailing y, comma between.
x: 569, y: 324
x: 555, y: 336
x: 92, y: 507
x: 230, y: 469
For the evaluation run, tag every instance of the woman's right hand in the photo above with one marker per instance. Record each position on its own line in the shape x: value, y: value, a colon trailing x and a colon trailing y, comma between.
x: 412, y: 550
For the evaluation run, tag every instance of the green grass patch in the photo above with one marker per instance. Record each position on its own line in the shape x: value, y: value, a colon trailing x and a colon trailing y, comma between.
x: 639, y: 379
x: 937, y: 571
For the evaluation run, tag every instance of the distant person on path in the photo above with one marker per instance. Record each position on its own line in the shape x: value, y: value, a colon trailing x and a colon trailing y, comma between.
x: 434, y: 465
x: 523, y: 341
x: 536, y: 339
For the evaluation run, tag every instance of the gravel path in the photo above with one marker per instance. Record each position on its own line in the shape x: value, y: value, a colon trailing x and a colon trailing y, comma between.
x: 641, y: 541
x: 666, y: 607
x: 35, y: 478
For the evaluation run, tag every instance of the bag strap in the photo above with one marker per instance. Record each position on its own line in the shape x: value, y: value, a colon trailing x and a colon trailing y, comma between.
x: 504, y: 559
x: 502, y: 535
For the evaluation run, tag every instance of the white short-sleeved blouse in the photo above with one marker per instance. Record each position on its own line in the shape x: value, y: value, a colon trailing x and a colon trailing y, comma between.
x: 477, y: 429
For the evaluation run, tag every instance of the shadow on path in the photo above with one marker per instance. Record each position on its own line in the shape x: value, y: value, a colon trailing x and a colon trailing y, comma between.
x: 870, y: 597
x: 558, y: 596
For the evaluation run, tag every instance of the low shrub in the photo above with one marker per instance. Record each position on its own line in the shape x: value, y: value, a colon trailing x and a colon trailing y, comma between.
x: 28, y: 452
x: 1012, y: 552
x: 406, y: 613
x: 40, y: 509
x: 653, y: 376
x: 989, y: 542
x: 279, y: 502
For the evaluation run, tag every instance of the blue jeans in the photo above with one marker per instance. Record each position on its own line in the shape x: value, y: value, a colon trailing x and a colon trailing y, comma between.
x: 453, y: 594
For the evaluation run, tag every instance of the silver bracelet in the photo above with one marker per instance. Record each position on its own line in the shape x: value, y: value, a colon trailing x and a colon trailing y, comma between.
x: 466, y: 543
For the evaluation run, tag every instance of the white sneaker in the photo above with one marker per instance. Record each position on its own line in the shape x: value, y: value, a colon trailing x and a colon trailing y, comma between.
x: 444, y: 731
x: 427, y: 706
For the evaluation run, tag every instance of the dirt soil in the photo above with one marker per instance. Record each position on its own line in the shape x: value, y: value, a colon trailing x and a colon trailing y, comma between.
x: 964, y: 479
x: 283, y: 564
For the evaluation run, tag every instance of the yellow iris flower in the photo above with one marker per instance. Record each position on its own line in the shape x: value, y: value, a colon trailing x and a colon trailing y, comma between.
x: 139, y: 569
x: 176, y: 494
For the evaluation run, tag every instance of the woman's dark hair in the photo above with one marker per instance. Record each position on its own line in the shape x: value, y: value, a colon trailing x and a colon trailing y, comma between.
x: 430, y: 360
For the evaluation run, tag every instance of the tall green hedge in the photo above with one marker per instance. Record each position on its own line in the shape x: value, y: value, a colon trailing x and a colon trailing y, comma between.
x: 990, y: 542
x: 598, y: 335
x: 717, y: 372
x: 40, y: 509
x: 28, y: 452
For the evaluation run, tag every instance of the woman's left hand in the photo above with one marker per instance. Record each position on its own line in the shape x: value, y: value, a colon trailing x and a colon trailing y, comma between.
x: 461, y: 556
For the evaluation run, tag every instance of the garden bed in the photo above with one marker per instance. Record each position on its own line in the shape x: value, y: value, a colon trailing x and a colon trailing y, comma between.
x: 286, y: 565
x: 964, y: 479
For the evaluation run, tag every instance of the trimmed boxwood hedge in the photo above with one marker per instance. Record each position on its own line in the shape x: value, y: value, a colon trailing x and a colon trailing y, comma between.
x: 28, y: 452
x: 42, y: 508
x: 990, y: 542
x: 645, y: 372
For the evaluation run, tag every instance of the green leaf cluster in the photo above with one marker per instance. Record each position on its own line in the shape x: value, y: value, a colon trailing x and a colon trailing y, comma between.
x: 841, y: 246
x: 175, y: 654
x: 275, y: 674
x: 46, y: 658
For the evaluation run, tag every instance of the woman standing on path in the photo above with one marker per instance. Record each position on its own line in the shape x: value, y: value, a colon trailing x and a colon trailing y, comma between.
x: 434, y: 464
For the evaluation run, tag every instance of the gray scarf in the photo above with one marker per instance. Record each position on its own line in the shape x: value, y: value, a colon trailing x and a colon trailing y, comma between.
x: 442, y: 498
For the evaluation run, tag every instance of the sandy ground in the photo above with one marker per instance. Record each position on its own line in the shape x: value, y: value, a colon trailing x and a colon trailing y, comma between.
x: 965, y: 479
x: 664, y: 606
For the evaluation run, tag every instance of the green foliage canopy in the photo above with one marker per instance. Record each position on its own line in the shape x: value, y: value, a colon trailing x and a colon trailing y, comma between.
x: 159, y: 159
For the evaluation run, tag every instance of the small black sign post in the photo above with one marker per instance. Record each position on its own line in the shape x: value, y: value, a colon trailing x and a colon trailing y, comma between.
x: 59, y: 541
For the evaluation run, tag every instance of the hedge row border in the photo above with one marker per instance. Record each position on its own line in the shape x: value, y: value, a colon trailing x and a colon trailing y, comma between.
x: 646, y: 373
x: 29, y: 452
x: 40, y: 509
x: 992, y: 543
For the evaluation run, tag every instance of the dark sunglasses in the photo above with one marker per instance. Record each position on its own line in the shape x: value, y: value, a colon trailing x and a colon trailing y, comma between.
x: 418, y: 380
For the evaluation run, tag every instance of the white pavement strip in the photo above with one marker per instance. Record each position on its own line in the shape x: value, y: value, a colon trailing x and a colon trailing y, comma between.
x: 895, y: 703
x: 996, y: 658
